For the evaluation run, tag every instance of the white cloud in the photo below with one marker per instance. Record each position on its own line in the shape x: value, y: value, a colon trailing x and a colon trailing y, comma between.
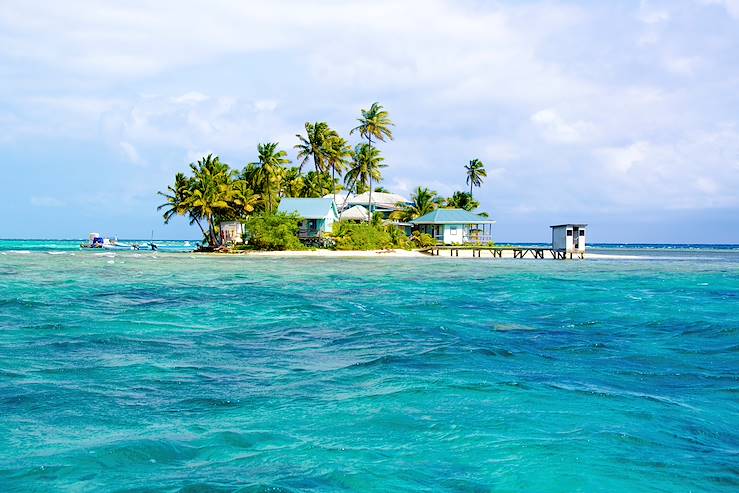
x: 556, y: 129
x: 191, y: 97
x: 507, y: 82
x: 46, y: 201
x: 731, y: 6
x: 682, y: 65
x: 131, y: 153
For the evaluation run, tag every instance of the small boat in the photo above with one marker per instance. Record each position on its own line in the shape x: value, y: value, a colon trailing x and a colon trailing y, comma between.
x: 97, y: 241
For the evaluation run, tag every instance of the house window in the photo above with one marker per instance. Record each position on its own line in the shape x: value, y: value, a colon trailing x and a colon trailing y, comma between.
x: 582, y: 232
x: 569, y: 232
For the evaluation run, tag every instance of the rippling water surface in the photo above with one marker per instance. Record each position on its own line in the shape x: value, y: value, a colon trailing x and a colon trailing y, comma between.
x: 177, y: 372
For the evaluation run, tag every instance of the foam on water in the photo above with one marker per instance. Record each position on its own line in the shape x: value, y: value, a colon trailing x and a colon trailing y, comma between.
x: 200, y: 373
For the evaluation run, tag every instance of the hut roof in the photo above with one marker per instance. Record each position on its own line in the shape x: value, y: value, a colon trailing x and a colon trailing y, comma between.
x: 452, y: 216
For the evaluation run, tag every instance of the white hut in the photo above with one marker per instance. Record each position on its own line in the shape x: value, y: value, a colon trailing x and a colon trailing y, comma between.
x: 232, y: 232
x: 568, y: 238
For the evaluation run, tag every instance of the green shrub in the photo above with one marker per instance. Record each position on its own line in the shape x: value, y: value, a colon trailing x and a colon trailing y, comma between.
x: 422, y: 240
x: 274, y: 231
x: 363, y: 236
x: 398, y: 237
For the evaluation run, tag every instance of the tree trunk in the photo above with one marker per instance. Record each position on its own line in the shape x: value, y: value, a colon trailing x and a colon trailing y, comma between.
x: 199, y: 226
x: 470, y: 188
x: 212, y: 232
x: 333, y: 181
x: 369, y: 170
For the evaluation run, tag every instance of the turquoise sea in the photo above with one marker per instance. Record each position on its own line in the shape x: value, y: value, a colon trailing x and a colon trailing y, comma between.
x: 136, y: 371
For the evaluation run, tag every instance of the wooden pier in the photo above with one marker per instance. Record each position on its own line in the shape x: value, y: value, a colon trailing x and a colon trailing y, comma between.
x: 497, y: 252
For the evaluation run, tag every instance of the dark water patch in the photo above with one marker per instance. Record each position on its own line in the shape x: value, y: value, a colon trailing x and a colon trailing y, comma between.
x: 130, y: 453
x: 206, y: 403
x: 493, y: 352
x: 21, y: 303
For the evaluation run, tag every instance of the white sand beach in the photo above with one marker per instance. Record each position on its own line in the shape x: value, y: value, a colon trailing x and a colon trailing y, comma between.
x: 399, y: 253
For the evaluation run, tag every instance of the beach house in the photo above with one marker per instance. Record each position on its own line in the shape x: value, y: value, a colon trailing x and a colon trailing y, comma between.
x: 232, y: 232
x: 568, y: 238
x: 382, y: 202
x: 449, y: 226
x: 319, y: 214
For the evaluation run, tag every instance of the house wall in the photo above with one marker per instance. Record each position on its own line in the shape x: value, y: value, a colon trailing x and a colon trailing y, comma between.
x: 328, y: 222
x: 232, y: 232
x: 566, y: 242
x: 453, y: 233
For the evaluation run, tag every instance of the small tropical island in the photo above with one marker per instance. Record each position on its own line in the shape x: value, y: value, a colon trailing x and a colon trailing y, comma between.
x: 331, y: 200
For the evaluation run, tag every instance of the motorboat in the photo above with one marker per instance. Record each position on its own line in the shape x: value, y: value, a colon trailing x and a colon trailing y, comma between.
x: 97, y: 241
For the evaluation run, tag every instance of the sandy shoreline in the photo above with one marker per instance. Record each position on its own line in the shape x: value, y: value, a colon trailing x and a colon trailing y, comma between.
x: 397, y: 253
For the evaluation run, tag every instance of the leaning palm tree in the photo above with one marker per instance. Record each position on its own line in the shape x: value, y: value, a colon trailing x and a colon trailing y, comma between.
x: 475, y: 173
x: 176, y: 201
x: 175, y: 198
x: 313, y: 145
x: 364, y: 168
x: 423, y: 201
x: 210, y: 192
x: 376, y: 123
x: 271, y: 168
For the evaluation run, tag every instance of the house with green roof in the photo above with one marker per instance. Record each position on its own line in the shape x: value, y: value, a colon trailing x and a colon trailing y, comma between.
x: 450, y: 226
x: 319, y: 214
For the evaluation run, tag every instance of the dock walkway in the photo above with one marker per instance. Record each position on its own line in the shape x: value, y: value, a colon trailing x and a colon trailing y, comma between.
x: 497, y: 251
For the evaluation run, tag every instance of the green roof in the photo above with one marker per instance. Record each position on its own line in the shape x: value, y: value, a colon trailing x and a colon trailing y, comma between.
x: 317, y: 208
x: 452, y: 216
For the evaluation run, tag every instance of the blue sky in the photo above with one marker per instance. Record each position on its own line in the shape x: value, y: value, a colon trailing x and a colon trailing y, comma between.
x: 623, y: 115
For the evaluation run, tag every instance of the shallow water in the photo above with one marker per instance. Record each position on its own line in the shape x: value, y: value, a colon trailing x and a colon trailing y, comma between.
x: 178, y: 372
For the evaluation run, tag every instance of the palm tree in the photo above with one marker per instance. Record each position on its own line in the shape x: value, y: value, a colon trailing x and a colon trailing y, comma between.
x: 423, y: 201
x: 462, y: 200
x: 210, y: 192
x: 293, y: 183
x: 475, y: 173
x: 338, y: 154
x: 176, y: 200
x: 376, y: 123
x: 271, y: 167
x: 365, y: 167
x: 242, y: 198
x: 317, y: 184
x: 314, y: 145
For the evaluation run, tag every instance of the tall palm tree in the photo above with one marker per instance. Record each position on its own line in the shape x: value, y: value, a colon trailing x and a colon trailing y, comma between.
x: 271, y: 168
x: 210, y: 191
x: 462, y: 200
x: 338, y: 154
x: 376, y: 123
x: 423, y: 201
x: 365, y: 166
x: 313, y: 145
x: 475, y: 173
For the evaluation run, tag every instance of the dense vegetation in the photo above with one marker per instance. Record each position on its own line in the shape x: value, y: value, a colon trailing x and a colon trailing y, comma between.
x: 326, y: 163
x: 278, y: 231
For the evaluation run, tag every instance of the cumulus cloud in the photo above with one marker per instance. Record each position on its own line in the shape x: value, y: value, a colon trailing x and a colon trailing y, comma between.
x: 558, y: 94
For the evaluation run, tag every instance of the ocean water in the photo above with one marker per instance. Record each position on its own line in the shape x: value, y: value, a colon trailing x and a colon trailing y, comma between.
x: 134, y: 371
